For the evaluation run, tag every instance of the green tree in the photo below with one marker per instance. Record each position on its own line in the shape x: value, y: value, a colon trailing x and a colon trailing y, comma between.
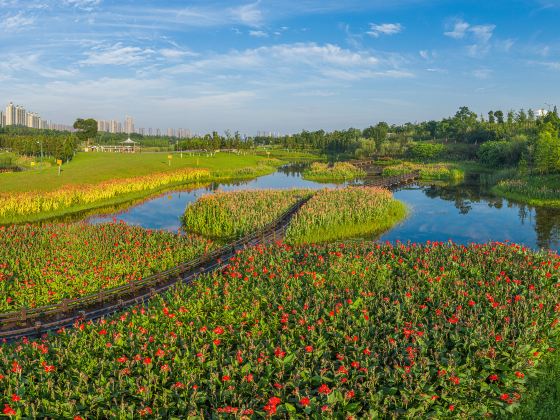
x: 87, y: 129
x: 547, y: 150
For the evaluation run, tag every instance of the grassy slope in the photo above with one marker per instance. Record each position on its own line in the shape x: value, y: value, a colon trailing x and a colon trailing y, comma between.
x: 541, y: 190
x: 92, y: 168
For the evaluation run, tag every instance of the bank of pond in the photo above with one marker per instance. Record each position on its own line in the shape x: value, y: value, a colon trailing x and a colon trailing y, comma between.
x: 343, y: 329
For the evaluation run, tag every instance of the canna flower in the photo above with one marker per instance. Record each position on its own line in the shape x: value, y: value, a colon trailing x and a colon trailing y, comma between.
x: 9, y: 411
x: 324, y: 389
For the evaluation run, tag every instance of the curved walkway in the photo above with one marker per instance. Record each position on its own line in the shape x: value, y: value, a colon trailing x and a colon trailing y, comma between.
x: 37, y: 321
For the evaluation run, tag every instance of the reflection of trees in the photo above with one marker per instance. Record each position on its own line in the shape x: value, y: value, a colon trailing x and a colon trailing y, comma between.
x: 547, y: 220
x: 547, y: 226
x: 293, y: 169
x: 463, y: 196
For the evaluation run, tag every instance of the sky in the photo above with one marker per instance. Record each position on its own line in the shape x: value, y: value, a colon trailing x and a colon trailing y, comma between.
x: 277, y: 65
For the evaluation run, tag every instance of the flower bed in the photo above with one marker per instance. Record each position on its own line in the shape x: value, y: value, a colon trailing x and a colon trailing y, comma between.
x: 14, y: 205
x: 343, y: 213
x: 230, y: 215
x: 40, y: 265
x: 362, y: 330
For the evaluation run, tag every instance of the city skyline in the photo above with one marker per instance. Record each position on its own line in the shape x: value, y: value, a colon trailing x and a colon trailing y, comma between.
x: 277, y: 66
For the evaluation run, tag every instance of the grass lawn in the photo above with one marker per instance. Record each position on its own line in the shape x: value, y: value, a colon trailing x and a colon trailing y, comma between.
x: 92, y: 168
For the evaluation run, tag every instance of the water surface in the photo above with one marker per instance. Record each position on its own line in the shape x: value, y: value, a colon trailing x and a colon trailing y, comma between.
x: 463, y: 213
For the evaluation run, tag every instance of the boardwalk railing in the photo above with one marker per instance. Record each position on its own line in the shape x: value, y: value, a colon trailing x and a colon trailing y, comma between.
x: 36, y: 321
x: 394, y: 180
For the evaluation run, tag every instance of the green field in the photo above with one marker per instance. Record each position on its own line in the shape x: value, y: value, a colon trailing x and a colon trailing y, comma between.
x: 92, y: 168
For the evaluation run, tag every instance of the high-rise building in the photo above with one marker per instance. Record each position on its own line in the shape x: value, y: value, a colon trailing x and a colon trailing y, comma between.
x: 129, y: 125
x: 2, y: 119
x: 170, y: 132
x: 10, y: 114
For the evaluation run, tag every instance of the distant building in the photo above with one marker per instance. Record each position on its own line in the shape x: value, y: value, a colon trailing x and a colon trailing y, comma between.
x: 129, y: 125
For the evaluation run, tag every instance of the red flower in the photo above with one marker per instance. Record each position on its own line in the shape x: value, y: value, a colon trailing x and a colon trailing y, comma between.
x: 367, y: 352
x: 455, y: 380
x: 218, y: 330
x: 451, y: 407
x: 249, y: 377
x: 9, y: 411
x: 453, y: 320
x: 122, y: 359
x: 270, y: 408
x: 78, y: 418
x: 308, y: 349
x: 160, y: 353
x: 217, y: 342
x: 519, y: 374
x: 15, y: 397
x: 225, y: 378
x: 304, y: 402
x: 278, y: 352
x: 350, y: 394
x: 147, y: 360
x: 102, y: 332
x: 16, y: 368
x: 493, y: 378
x: 324, y: 389
x: 48, y: 368
x: 504, y: 397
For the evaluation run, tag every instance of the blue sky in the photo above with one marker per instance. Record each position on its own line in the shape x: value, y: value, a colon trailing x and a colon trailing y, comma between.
x: 277, y: 65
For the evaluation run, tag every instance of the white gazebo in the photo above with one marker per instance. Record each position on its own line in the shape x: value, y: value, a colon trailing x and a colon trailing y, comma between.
x: 129, y: 145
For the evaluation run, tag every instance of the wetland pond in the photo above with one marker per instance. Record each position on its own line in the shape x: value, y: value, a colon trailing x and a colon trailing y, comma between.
x: 462, y: 213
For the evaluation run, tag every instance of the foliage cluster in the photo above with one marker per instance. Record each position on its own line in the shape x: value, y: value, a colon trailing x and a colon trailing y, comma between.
x: 343, y: 213
x: 429, y: 171
x: 367, y: 330
x: 40, y: 265
x: 339, y: 171
x: 230, y: 215
x: 13, y: 205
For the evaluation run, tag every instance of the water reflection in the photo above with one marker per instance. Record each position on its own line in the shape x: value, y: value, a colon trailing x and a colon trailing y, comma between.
x: 164, y: 211
x: 468, y: 213
x: 463, y: 213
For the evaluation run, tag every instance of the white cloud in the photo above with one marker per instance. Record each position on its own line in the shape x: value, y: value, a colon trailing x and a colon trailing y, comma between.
x: 248, y: 14
x: 117, y: 54
x: 16, y: 23
x: 83, y: 4
x: 258, y: 34
x: 173, y: 53
x: 375, y: 30
x: 482, y: 33
x: 14, y: 64
x: 459, y: 30
x: 479, y: 35
x: 427, y: 54
x: 291, y: 55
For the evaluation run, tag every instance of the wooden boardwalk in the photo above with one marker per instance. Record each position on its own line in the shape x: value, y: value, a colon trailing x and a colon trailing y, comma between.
x: 37, y: 321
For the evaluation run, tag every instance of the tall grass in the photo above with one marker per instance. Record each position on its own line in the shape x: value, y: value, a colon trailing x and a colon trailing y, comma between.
x: 345, y: 213
x: 16, y: 204
x: 230, y: 215
x: 340, y: 171
x: 536, y: 190
x: 428, y: 171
